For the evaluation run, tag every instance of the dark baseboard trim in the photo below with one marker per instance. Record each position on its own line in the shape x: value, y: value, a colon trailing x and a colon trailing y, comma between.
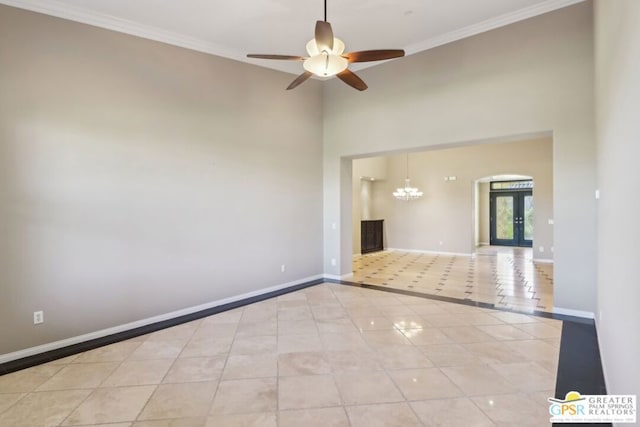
x: 579, y: 364
x: 49, y: 356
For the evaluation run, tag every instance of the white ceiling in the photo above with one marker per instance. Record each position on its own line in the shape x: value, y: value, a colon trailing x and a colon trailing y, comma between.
x: 234, y: 28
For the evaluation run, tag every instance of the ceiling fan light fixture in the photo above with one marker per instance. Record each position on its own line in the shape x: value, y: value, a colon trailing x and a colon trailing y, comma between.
x: 325, y: 63
x: 327, y: 57
x: 338, y: 47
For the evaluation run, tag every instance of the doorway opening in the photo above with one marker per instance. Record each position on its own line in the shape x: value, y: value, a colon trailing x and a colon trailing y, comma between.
x: 504, y: 212
x: 511, y: 213
x: 429, y: 244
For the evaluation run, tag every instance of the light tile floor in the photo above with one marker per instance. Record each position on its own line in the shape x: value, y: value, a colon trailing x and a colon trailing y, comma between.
x: 504, y: 276
x: 328, y: 355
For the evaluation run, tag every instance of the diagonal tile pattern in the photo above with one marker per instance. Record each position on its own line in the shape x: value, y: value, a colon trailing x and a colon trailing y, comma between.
x: 326, y: 355
x: 504, y: 276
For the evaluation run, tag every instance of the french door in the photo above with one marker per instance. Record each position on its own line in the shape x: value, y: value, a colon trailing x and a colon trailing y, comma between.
x: 511, y: 218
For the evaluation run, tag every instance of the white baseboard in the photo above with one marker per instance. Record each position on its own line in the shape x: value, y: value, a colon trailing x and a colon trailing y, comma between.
x: 143, y: 322
x: 576, y: 313
x: 420, y: 251
x: 543, y: 260
x: 336, y: 277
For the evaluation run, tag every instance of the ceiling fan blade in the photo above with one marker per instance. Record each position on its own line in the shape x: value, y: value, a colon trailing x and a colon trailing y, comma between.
x: 299, y: 80
x: 324, y: 36
x: 350, y: 78
x: 373, y: 55
x: 282, y: 57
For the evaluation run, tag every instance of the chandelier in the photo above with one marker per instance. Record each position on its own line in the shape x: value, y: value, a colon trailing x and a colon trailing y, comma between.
x: 407, y: 192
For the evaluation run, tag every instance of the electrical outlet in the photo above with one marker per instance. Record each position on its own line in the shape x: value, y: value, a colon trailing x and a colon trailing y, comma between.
x: 282, y: 268
x: 38, y: 317
x: 541, y: 249
x: 333, y: 262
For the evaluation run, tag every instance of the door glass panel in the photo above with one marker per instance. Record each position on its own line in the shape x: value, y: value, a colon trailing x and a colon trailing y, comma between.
x: 504, y: 217
x: 528, y: 217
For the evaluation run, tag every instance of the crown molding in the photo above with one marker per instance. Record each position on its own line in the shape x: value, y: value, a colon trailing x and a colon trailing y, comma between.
x: 109, y: 22
x: 491, y: 24
x: 482, y: 27
x: 77, y: 14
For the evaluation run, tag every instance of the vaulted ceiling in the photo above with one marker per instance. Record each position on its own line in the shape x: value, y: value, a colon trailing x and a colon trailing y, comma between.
x: 234, y: 28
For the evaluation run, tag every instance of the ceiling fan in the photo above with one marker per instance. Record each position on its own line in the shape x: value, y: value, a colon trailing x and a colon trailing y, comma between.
x: 327, y: 58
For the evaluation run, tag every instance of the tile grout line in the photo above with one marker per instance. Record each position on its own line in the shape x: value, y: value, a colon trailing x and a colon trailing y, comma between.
x: 333, y: 372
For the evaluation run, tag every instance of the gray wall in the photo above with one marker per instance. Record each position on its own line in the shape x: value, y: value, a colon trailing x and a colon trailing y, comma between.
x: 530, y: 77
x: 617, y: 39
x: 442, y: 220
x: 138, y: 178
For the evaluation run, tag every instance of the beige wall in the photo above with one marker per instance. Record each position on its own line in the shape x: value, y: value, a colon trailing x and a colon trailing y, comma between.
x: 371, y: 167
x: 362, y: 192
x: 356, y: 212
x: 483, y: 231
x: 366, y: 204
x: 138, y: 178
x: 617, y: 39
x: 530, y: 77
x: 442, y: 220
